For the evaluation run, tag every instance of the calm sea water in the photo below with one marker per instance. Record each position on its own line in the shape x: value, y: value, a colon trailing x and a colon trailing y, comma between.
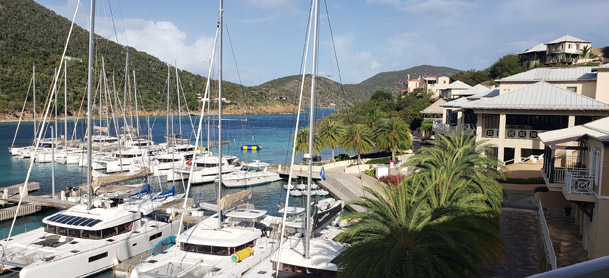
x: 272, y: 132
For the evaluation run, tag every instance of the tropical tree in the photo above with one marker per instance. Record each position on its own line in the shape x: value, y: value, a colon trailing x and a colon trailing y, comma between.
x: 332, y: 134
x: 426, y: 127
x: 585, y: 52
x: 458, y: 159
x: 359, y: 138
x: 401, y: 235
x: 302, y: 142
x: 391, y: 134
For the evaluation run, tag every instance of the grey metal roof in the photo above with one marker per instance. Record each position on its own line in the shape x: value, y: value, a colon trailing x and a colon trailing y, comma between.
x: 567, y: 38
x: 553, y: 74
x: 457, y: 85
x: 456, y: 103
x: 434, y: 108
x: 538, y: 48
x: 539, y: 96
x: 486, y: 94
x: 602, y: 67
x: 473, y: 90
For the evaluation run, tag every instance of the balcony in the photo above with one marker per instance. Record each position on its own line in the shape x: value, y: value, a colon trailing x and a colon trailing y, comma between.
x: 440, y: 127
x: 576, y: 183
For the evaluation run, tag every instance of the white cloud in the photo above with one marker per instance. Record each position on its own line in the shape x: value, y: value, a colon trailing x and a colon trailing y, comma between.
x: 375, y: 65
x: 268, y: 4
x: 436, y: 8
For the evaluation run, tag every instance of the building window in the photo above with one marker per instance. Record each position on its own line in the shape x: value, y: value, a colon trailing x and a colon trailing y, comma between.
x: 572, y: 89
x: 569, y: 46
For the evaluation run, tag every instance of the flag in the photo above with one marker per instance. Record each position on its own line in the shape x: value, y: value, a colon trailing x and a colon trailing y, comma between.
x: 322, y: 173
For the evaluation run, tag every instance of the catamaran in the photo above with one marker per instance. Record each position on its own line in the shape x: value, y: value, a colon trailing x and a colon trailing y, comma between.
x: 250, y: 174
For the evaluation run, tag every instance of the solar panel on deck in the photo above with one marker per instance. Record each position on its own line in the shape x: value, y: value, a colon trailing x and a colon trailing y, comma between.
x: 82, y: 219
x: 59, y: 217
x: 62, y: 218
x: 74, y: 220
x: 55, y: 217
x: 93, y: 223
x: 65, y: 219
x: 86, y: 222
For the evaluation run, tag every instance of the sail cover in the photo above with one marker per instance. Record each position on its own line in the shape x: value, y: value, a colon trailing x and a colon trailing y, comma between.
x: 231, y: 199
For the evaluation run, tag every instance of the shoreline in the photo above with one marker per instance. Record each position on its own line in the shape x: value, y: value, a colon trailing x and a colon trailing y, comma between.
x: 237, y: 111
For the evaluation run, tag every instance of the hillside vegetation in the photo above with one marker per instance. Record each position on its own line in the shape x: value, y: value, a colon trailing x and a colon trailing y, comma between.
x: 31, y: 35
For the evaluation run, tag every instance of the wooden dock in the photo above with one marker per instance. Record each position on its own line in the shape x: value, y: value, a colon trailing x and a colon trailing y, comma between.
x: 9, y: 213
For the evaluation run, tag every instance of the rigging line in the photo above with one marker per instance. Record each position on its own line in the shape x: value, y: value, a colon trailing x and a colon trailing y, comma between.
x: 340, y: 78
x: 302, y: 69
x: 342, y: 85
x: 22, y: 110
x: 27, y: 178
x: 120, y: 10
x: 233, y: 52
x: 113, y: 25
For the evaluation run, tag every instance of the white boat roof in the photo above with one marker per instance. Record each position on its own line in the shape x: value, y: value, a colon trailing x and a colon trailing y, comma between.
x: 322, y: 251
x: 78, y: 217
x: 203, y: 234
x: 246, y: 213
x: 257, y: 163
x: 292, y: 210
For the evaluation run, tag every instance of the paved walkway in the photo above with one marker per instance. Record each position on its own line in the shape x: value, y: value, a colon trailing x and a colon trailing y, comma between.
x: 566, y: 238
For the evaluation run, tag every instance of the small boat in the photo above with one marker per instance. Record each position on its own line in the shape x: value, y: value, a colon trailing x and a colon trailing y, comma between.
x: 321, y: 192
x: 296, y: 193
x: 250, y: 174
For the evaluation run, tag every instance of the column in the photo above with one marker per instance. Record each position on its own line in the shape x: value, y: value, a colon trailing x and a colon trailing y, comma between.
x: 571, y: 121
x: 517, y: 154
x: 502, y: 124
x: 479, y: 124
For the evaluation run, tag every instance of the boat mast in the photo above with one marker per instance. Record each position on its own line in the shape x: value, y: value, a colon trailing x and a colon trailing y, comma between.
x: 220, y: 115
x: 167, y: 114
x: 137, y: 115
x: 65, y: 103
x: 179, y: 108
x: 307, y: 242
x: 34, y: 87
x: 89, y: 103
x: 55, y: 102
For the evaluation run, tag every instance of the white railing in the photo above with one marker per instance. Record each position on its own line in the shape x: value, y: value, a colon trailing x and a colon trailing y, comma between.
x: 545, y: 238
x: 559, y: 174
x: 532, y: 158
x: 453, y: 128
x: 578, y: 182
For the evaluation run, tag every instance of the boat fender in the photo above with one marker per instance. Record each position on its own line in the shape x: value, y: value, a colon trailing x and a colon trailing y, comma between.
x: 116, y: 261
x: 242, y: 254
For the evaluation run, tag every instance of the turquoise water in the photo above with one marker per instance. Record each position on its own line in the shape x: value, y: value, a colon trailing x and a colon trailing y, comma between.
x: 272, y: 132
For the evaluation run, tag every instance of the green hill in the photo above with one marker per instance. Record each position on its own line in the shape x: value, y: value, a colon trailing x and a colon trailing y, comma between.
x: 31, y: 34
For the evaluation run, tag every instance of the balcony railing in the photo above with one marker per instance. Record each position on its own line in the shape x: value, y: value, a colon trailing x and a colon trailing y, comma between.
x: 578, y: 182
x: 448, y: 128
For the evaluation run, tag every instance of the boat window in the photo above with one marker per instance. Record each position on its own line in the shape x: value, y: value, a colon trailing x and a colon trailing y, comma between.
x: 74, y: 232
x: 62, y: 231
x: 78, y: 233
x: 98, y: 257
x: 253, y: 169
x: 205, y: 249
x: 50, y: 229
x: 155, y: 236
x: 245, y: 168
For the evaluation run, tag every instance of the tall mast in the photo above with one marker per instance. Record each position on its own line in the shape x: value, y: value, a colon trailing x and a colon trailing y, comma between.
x: 179, y: 107
x: 55, y: 102
x: 89, y: 103
x: 65, y: 103
x: 137, y: 115
x: 34, y: 87
x: 307, y: 243
x: 220, y: 115
x: 125, y: 122
x: 167, y: 115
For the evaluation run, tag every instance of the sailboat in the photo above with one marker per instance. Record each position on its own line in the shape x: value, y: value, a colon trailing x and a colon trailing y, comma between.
x: 221, y: 245
x: 87, y: 238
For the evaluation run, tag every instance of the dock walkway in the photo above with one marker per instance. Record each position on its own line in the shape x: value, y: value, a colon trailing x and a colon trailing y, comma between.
x: 347, y: 187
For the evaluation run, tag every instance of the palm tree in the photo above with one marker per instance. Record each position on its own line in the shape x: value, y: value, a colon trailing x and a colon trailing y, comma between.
x: 332, y: 134
x: 358, y: 138
x: 459, y: 161
x: 400, y: 235
x: 392, y: 133
x: 585, y: 52
x: 302, y: 142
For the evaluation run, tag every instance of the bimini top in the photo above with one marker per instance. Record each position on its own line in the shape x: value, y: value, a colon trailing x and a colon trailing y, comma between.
x: 322, y: 254
x: 206, y: 233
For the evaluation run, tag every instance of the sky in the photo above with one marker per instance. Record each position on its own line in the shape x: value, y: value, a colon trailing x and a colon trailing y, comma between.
x: 267, y: 37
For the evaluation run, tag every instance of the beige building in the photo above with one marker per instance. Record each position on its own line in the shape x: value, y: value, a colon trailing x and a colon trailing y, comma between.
x: 525, y: 104
x: 454, y: 90
x: 576, y: 163
x: 433, y: 84
x: 413, y: 84
x: 566, y: 49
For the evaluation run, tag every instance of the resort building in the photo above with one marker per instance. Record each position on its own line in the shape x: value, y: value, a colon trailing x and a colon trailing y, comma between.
x: 453, y: 90
x: 511, y: 116
x: 433, y: 84
x: 566, y: 49
x: 412, y: 84
x: 576, y: 163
